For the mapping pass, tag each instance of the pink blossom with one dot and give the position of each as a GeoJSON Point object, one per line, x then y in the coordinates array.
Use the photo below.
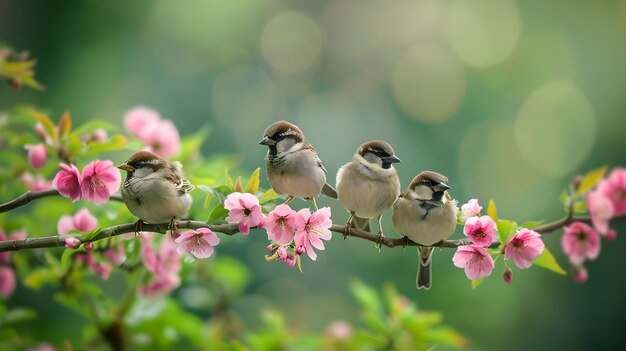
{"type": "Point", "coordinates": [470, 209]}
{"type": "Point", "coordinates": [42, 347]}
{"type": "Point", "coordinates": [102, 269]}
{"type": "Point", "coordinates": [116, 254]}
{"type": "Point", "coordinates": [579, 242]}
{"type": "Point", "coordinates": [480, 230]}
{"type": "Point", "coordinates": [311, 229]}
{"type": "Point", "coordinates": [580, 274]}
{"type": "Point", "coordinates": [475, 260]}
{"type": "Point", "coordinates": [37, 155]}
{"type": "Point", "coordinates": [199, 242]}
{"type": "Point", "coordinates": [286, 256]}
{"type": "Point", "coordinates": [164, 266]}
{"type": "Point", "coordinates": [72, 243]}
{"type": "Point", "coordinates": [160, 285]}
{"type": "Point", "coordinates": [524, 247]}
{"type": "Point", "coordinates": [100, 135]}
{"type": "Point", "coordinates": [243, 209]}
{"type": "Point", "coordinates": [611, 235]}
{"type": "Point", "coordinates": [83, 221]}
{"type": "Point", "coordinates": [614, 188]}
{"type": "Point", "coordinates": [141, 119]}
{"type": "Point", "coordinates": [601, 210]}
{"type": "Point", "coordinates": [68, 182]}
{"type": "Point", "coordinates": [7, 281]}
{"type": "Point", "coordinates": [281, 224]}
{"type": "Point", "coordinates": [100, 180]}
{"type": "Point", "coordinates": [35, 183]}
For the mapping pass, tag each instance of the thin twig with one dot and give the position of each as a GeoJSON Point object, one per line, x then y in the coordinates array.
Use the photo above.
{"type": "Point", "coordinates": [29, 196]}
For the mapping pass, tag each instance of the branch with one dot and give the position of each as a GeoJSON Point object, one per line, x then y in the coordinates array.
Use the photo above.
{"type": "Point", "coordinates": [29, 196]}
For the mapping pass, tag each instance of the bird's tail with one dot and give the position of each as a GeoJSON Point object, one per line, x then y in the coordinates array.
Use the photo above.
{"type": "Point", "coordinates": [424, 271]}
{"type": "Point", "coordinates": [361, 223]}
{"type": "Point", "coordinates": [329, 191]}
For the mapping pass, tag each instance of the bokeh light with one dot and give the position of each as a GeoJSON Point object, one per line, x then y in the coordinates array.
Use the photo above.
{"type": "Point", "coordinates": [428, 83]}
{"type": "Point", "coordinates": [483, 32]}
{"type": "Point", "coordinates": [555, 128]}
{"type": "Point", "coordinates": [291, 42]}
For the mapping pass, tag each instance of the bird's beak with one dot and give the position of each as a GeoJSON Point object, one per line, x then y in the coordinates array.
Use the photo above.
{"type": "Point", "coordinates": [391, 159]}
{"type": "Point", "coordinates": [441, 187]}
{"type": "Point", "coordinates": [267, 141]}
{"type": "Point", "coordinates": [126, 167]}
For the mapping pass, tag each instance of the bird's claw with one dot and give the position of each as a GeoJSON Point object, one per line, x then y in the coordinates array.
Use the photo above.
{"type": "Point", "coordinates": [138, 226]}
{"type": "Point", "coordinates": [347, 231]}
{"type": "Point", "coordinates": [379, 240]}
{"type": "Point", "coordinates": [405, 242]}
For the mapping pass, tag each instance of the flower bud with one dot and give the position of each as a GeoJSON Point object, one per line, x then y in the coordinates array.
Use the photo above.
{"type": "Point", "coordinates": [611, 235]}
{"type": "Point", "coordinates": [508, 275]}
{"type": "Point", "coordinates": [37, 155]}
{"type": "Point", "coordinates": [88, 246]}
{"type": "Point", "coordinates": [300, 250]}
{"type": "Point", "coordinates": [580, 274]}
{"type": "Point", "coordinates": [15, 83]}
{"type": "Point", "coordinates": [72, 243]}
{"type": "Point", "coordinates": [576, 182]}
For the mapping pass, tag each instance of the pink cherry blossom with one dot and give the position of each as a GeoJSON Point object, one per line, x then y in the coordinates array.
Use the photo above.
{"type": "Point", "coordinates": [476, 261]}
{"type": "Point", "coordinates": [614, 188]}
{"type": "Point", "coordinates": [37, 155]}
{"type": "Point", "coordinates": [100, 135]}
{"type": "Point", "coordinates": [524, 247]}
{"type": "Point", "coordinates": [580, 274]}
{"type": "Point", "coordinates": [116, 254]}
{"type": "Point", "coordinates": [311, 229]}
{"type": "Point", "coordinates": [83, 221]}
{"type": "Point", "coordinates": [102, 269]}
{"type": "Point", "coordinates": [470, 209]}
{"type": "Point", "coordinates": [580, 242]}
{"type": "Point", "coordinates": [140, 120]}
{"type": "Point", "coordinates": [281, 224]}
{"type": "Point", "coordinates": [480, 230]}
{"type": "Point", "coordinates": [7, 281]}
{"type": "Point", "coordinates": [160, 285]}
{"type": "Point", "coordinates": [243, 209]}
{"type": "Point", "coordinates": [164, 266]}
{"type": "Point", "coordinates": [72, 243]}
{"type": "Point", "coordinates": [611, 235]}
{"type": "Point", "coordinates": [199, 242]}
{"type": "Point", "coordinates": [68, 182]}
{"type": "Point", "coordinates": [601, 210]}
{"type": "Point", "coordinates": [100, 180]}
{"type": "Point", "coordinates": [35, 183]}
{"type": "Point", "coordinates": [286, 256]}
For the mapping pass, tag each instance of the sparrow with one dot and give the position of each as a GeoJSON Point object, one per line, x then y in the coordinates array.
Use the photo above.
{"type": "Point", "coordinates": [368, 185]}
{"type": "Point", "coordinates": [155, 189]}
{"type": "Point", "coordinates": [425, 213]}
{"type": "Point", "coordinates": [292, 165]}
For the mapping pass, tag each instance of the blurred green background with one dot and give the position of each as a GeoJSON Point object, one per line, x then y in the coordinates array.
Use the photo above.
{"type": "Point", "coordinates": [509, 99]}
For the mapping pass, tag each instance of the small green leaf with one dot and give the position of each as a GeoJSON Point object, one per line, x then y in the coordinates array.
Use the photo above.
{"type": "Point", "coordinates": [37, 278]}
{"type": "Point", "coordinates": [591, 179]}
{"type": "Point", "coordinates": [505, 229]}
{"type": "Point", "coordinates": [299, 261]}
{"type": "Point", "coordinates": [218, 213]}
{"type": "Point", "coordinates": [492, 211]}
{"type": "Point", "coordinates": [580, 206]}
{"type": "Point", "coordinates": [116, 143]}
{"type": "Point", "coordinates": [46, 122]}
{"type": "Point", "coordinates": [564, 198]}
{"type": "Point", "coordinates": [238, 185]}
{"type": "Point", "coordinates": [253, 182]}
{"type": "Point", "coordinates": [547, 261]}
{"type": "Point", "coordinates": [477, 282]}
{"type": "Point", "coordinates": [19, 315]}
{"type": "Point", "coordinates": [93, 125]}
{"type": "Point", "coordinates": [65, 124]}
{"type": "Point", "coordinates": [207, 200]}
{"type": "Point", "coordinates": [268, 196]}
{"type": "Point", "coordinates": [229, 180]}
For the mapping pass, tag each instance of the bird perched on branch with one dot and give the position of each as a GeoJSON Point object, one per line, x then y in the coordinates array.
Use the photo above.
{"type": "Point", "coordinates": [292, 165]}
{"type": "Point", "coordinates": [155, 189]}
{"type": "Point", "coordinates": [425, 213]}
{"type": "Point", "coordinates": [368, 185]}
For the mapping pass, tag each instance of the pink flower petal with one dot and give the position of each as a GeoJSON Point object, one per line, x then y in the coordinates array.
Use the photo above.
{"type": "Point", "coordinates": [84, 221]}
{"type": "Point", "coordinates": [68, 182]}
{"type": "Point", "coordinates": [65, 225]}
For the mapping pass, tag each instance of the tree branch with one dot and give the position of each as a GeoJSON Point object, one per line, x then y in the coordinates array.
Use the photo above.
{"type": "Point", "coordinates": [29, 196]}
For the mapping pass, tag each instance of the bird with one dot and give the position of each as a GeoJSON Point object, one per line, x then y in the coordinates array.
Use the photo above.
{"type": "Point", "coordinates": [368, 185]}
{"type": "Point", "coordinates": [292, 165]}
{"type": "Point", "coordinates": [425, 213]}
{"type": "Point", "coordinates": [155, 189]}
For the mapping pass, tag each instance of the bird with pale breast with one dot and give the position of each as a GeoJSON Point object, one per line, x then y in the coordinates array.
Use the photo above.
{"type": "Point", "coordinates": [368, 185]}
{"type": "Point", "coordinates": [425, 213]}
{"type": "Point", "coordinates": [292, 165]}
{"type": "Point", "coordinates": [155, 189]}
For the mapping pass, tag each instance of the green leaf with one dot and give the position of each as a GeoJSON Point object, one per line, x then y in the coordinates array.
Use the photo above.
{"type": "Point", "coordinates": [19, 315]}
{"type": "Point", "coordinates": [229, 180]}
{"type": "Point", "coordinates": [492, 211]}
{"type": "Point", "coordinates": [547, 261]}
{"type": "Point", "coordinates": [477, 282]}
{"type": "Point", "coordinates": [238, 185]}
{"type": "Point", "coordinates": [116, 143]}
{"type": "Point", "coordinates": [253, 183]}
{"type": "Point", "coordinates": [65, 124]}
{"type": "Point", "coordinates": [591, 179]}
{"type": "Point", "coordinates": [93, 125]}
{"type": "Point", "coordinates": [505, 229]}
{"type": "Point", "coordinates": [46, 122]}
{"type": "Point", "coordinates": [531, 224]}
{"type": "Point", "coordinates": [38, 277]}
{"type": "Point", "coordinates": [218, 213]}
{"type": "Point", "coordinates": [268, 196]}
{"type": "Point", "coordinates": [580, 206]}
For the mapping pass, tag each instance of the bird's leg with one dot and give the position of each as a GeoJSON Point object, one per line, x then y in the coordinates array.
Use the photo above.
{"type": "Point", "coordinates": [172, 226]}
{"type": "Point", "coordinates": [289, 199]}
{"type": "Point", "coordinates": [314, 203]}
{"type": "Point", "coordinates": [381, 236]}
{"type": "Point", "coordinates": [348, 227]}
{"type": "Point", "coordinates": [405, 241]}
{"type": "Point", "coordinates": [138, 226]}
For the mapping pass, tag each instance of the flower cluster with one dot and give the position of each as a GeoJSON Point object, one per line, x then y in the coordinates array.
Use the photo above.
{"type": "Point", "coordinates": [580, 241]}
{"type": "Point", "coordinates": [7, 274]}
{"type": "Point", "coordinates": [159, 135]}
{"type": "Point", "coordinates": [163, 265]}
{"type": "Point", "coordinates": [98, 181]}
{"type": "Point", "coordinates": [525, 246]}
{"type": "Point", "coordinates": [82, 221]}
